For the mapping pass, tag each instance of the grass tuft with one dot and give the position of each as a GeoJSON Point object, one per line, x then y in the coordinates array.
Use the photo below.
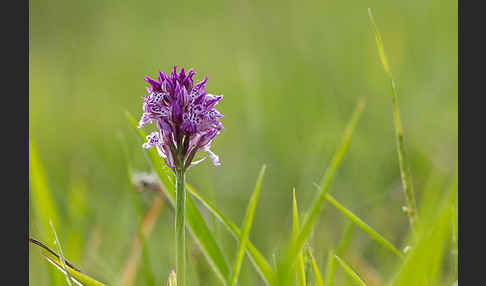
{"type": "Point", "coordinates": [246, 227]}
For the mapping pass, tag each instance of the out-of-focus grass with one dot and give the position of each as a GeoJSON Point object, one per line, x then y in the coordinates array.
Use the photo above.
{"type": "Point", "coordinates": [290, 73]}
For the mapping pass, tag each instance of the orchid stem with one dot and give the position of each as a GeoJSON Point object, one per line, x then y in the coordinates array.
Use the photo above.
{"type": "Point", "coordinates": [180, 229]}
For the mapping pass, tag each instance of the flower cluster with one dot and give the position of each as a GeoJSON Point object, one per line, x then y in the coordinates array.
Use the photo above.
{"type": "Point", "coordinates": [186, 119]}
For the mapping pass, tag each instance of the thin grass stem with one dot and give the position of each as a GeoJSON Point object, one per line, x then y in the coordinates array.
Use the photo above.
{"type": "Point", "coordinates": [411, 208]}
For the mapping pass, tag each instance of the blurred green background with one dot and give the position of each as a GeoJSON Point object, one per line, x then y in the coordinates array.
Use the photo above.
{"type": "Point", "coordinates": [291, 73]}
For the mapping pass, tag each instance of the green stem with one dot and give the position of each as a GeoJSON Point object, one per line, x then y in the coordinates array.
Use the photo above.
{"type": "Point", "coordinates": [411, 209]}
{"type": "Point", "coordinates": [180, 229]}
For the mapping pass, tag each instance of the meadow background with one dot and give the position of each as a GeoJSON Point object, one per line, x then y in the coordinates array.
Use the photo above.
{"type": "Point", "coordinates": [291, 73]}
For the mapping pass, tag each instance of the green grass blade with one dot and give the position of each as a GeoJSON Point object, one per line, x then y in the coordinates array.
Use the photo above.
{"type": "Point", "coordinates": [331, 265]}
{"type": "Point", "coordinates": [194, 220]}
{"type": "Point", "coordinates": [350, 271]}
{"type": "Point", "coordinates": [257, 259]}
{"type": "Point", "coordinates": [379, 42]}
{"type": "Point", "coordinates": [42, 199]}
{"type": "Point", "coordinates": [411, 209]}
{"type": "Point", "coordinates": [315, 270]}
{"type": "Point", "coordinates": [77, 277]}
{"type": "Point", "coordinates": [330, 268]}
{"type": "Point", "coordinates": [423, 263]}
{"type": "Point", "coordinates": [42, 202]}
{"type": "Point", "coordinates": [343, 245]}
{"type": "Point", "coordinates": [365, 227]}
{"type": "Point", "coordinates": [61, 256]}
{"type": "Point", "coordinates": [298, 242]}
{"type": "Point", "coordinates": [246, 227]}
{"type": "Point", "coordinates": [300, 269]}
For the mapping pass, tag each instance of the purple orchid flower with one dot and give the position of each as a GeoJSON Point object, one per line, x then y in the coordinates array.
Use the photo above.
{"type": "Point", "coordinates": [186, 118]}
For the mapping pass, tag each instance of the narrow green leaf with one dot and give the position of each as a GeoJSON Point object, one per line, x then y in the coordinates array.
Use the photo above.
{"type": "Point", "coordinates": [422, 266]}
{"type": "Point", "coordinates": [350, 271]}
{"type": "Point", "coordinates": [42, 199]}
{"type": "Point", "coordinates": [411, 209]}
{"type": "Point", "coordinates": [315, 270]}
{"type": "Point", "coordinates": [194, 220]}
{"type": "Point", "coordinates": [343, 245]}
{"type": "Point", "coordinates": [246, 227]}
{"type": "Point", "coordinates": [331, 267]}
{"type": "Point", "coordinates": [300, 269]}
{"type": "Point", "coordinates": [298, 241]}
{"type": "Point", "coordinates": [77, 277]}
{"type": "Point", "coordinates": [42, 202]}
{"type": "Point", "coordinates": [365, 227]}
{"type": "Point", "coordinates": [259, 262]}
{"type": "Point", "coordinates": [379, 42]}
{"type": "Point", "coordinates": [61, 256]}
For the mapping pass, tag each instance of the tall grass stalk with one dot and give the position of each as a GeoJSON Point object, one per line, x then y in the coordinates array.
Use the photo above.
{"type": "Point", "coordinates": [298, 241]}
{"type": "Point", "coordinates": [245, 229]}
{"type": "Point", "coordinates": [411, 208]}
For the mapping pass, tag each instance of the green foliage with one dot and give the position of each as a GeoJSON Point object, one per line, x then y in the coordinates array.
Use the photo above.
{"type": "Point", "coordinates": [350, 271]}
{"type": "Point", "coordinates": [77, 277]}
{"type": "Point", "coordinates": [422, 265]}
{"type": "Point", "coordinates": [259, 262]}
{"type": "Point", "coordinates": [300, 270]}
{"type": "Point", "coordinates": [73, 274]}
{"type": "Point", "coordinates": [366, 228]}
{"type": "Point", "coordinates": [315, 269]}
{"type": "Point", "coordinates": [330, 268]}
{"type": "Point", "coordinates": [298, 240]}
{"type": "Point", "coordinates": [246, 227]}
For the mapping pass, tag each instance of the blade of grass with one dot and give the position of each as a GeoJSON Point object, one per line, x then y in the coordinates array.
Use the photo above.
{"type": "Point", "coordinates": [259, 262]}
{"type": "Point", "coordinates": [194, 220]}
{"type": "Point", "coordinates": [42, 201]}
{"type": "Point", "coordinates": [298, 241]}
{"type": "Point", "coordinates": [76, 274]}
{"type": "Point", "coordinates": [330, 268]}
{"type": "Point", "coordinates": [365, 227]}
{"type": "Point", "coordinates": [411, 209]}
{"type": "Point", "coordinates": [331, 265]}
{"type": "Point", "coordinates": [422, 265]}
{"type": "Point", "coordinates": [350, 271]}
{"type": "Point", "coordinates": [300, 269]}
{"type": "Point", "coordinates": [61, 256]}
{"type": "Point", "coordinates": [346, 239]}
{"type": "Point", "coordinates": [63, 271]}
{"type": "Point", "coordinates": [38, 243]}
{"type": "Point", "coordinates": [315, 270]}
{"type": "Point", "coordinates": [41, 194]}
{"type": "Point", "coordinates": [246, 227]}
{"type": "Point", "coordinates": [78, 277]}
